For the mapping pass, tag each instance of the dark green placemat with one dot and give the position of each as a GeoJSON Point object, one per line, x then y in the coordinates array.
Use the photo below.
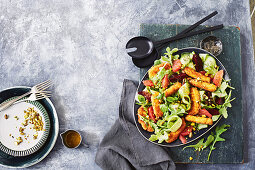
{"type": "Point", "coordinates": [230, 151]}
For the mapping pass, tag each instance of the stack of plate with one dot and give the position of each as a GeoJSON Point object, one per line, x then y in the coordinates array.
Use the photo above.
{"type": "Point", "coordinates": [32, 149]}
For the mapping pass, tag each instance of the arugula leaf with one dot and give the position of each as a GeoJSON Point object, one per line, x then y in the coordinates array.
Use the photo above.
{"type": "Point", "coordinates": [141, 99]}
{"type": "Point", "coordinates": [224, 112]}
{"type": "Point", "coordinates": [174, 50]}
{"type": "Point", "coordinates": [209, 140]}
{"type": "Point", "coordinates": [176, 57]}
{"type": "Point", "coordinates": [218, 131]}
{"type": "Point", "coordinates": [169, 54]}
{"type": "Point", "coordinates": [160, 137]}
{"type": "Point", "coordinates": [157, 62]}
{"type": "Point", "coordinates": [165, 58]}
{"type": "Point", "coordinates": [201, 145]}
{"type": "Point", "coordinates": [215, 117]}
{"type": "Point", "coordinates": [197, 146]}
{"type": "Point", "coordinates": [228, 101]}
{"type": "Point", "coordinates": [221, 91]}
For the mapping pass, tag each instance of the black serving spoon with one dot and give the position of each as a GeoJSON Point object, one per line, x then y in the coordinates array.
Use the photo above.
{"type": "Point", "coordinates": [150, 57]}
{"type": "Point", "coordinates": [144, 51]}
{"type": "Point", "coordinates": [141, 47]}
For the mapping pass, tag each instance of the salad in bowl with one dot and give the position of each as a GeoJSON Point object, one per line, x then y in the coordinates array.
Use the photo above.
{"type": "Point", "coordinates": [184, 93]}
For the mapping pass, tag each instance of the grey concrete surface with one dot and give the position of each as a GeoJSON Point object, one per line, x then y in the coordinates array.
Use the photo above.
{"type": "Point", "coordinates": [80, 45]}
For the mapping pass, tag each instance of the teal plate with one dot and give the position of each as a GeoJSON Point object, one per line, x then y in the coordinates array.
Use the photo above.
{"type": "Point", "coordinates": [29, 160]}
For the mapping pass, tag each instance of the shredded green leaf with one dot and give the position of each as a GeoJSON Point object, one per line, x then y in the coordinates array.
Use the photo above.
{"type": "Point", "coordinates": [218, 131]}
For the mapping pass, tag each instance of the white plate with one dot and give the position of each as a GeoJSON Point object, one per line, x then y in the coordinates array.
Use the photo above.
{"type": "Point", "coordinates": [9, 129]}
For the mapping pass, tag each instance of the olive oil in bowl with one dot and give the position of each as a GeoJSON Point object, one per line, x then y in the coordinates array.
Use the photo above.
{"type": "Point", "coordinates": [71, 138]}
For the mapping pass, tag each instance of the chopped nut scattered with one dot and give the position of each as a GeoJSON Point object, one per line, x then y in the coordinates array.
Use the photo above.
{"type": "Point", "coordinates": [33, 118]}
{"type": "Point", "coordinates": [35, 136]}
{"type": "Point", "coordinates": [190, 135]}
{"type": "Point", "coordinates": [21, 129]}
{"type": "Point", "coordinates": [19, 140]}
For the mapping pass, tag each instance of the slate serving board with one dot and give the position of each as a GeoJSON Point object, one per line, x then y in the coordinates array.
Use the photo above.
{"type": "Point", "coordinates": [230, 151]}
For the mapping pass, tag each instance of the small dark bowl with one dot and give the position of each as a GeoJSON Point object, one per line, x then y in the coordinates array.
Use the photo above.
{"type": "Point", "coordinates": [212, 44]}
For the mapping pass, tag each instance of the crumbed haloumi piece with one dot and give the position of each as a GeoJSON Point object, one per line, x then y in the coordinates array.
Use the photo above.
{"type": "Point", "coordinates": [155, 69]}
{"type": "Point", "coordinates": [156, 105]}
{"type": "Point", "coordinates": [195, 101]}
{"type": "Point", "coordinates": [203, 85]}
{"type": "Point", "coordinates": [192, 73]}
{"type": "Point", "coordinates": [142, 112]}
{"type": "Point", "coordinates": [200, 120]}
{"type": "Point", "coordinates": [174, 135]}
{"type": "Point", "coordinates": [173, 89]}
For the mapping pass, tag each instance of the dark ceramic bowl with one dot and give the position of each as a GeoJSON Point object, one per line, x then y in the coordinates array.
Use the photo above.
{"type": "Point", "coordinates": [29, 160]}
{"type": "Point", "coordinates": [201, 132]}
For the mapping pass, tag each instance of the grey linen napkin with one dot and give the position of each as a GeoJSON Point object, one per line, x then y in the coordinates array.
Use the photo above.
{"type": "Point", "coordinates": [123, 147]}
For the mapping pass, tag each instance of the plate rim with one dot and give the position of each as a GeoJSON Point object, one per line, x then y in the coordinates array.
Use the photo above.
{"type": "Point", "coordinates": [54, 139]}
{"type": "Point", "coordinates": [181, 144]}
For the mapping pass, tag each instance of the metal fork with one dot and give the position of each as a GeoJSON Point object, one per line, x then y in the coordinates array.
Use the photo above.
{"type": "Point", "coordinates": [37, 90]}
{"type": "Point", "coordinates": [36, 96]}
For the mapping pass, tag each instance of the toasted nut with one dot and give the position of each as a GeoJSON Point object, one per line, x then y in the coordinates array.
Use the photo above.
{"type": "Point", "coordinates": [21, 129]}
{"type": "Point", "coordinates": [190, 135]}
